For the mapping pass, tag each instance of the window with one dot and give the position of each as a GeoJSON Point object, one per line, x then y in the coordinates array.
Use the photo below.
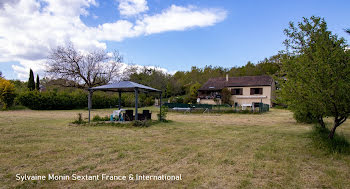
{"type": "Point", "coordinates": [254, 91]}
{"type": "Point", "coordinates": [237, 91]}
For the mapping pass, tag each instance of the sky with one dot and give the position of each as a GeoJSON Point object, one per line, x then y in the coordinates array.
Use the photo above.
{"type": "Point", "coordinates": [171, 34]}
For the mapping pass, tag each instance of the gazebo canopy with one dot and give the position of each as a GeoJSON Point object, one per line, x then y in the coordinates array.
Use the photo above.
{"type": "Point", "coordinates": [124, 86]}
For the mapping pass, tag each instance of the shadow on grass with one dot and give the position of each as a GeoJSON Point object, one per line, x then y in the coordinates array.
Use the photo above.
{"type": "Point", "coordinates": [131, 124]}
{"type": "Point", "coordinates": [338, 144]}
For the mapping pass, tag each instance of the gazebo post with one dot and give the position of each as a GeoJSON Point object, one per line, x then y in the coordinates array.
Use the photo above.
{"type": "Point", "coordinates": [89, 102]}
{"type": "Point", "coordinates": [160, 106]}
{"type": "Point", "coordinates": [120, 100]}
{"type": "Point", "coordinates": [136, 100]}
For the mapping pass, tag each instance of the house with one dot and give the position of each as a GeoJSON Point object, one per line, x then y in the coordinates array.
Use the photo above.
{"type": "Point", "coordinates": [244, 90]}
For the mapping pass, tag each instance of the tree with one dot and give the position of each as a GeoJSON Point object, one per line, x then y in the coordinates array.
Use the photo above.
{"type": "Point", "coordinates": [31, 83]}
{"type": "Point", "coordinates": [226, 96]}
{"type": "Point", "coordinates": [317, 72]}
{"type": "Point", "coordinates": [194, 92]}
{"type": "Point", "coordinates": [7, 93]}
{"type": "Point", "coordinates": [37, 84]}
{"type": "Point", "coordinates": [153, 77]}
{"type": "Point", "coordinates": [83, 69]}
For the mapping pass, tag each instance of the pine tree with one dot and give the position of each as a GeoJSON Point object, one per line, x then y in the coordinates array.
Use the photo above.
{"type": "Point", "coordinates": [31, 83]}
{"type": "Point", "coordinates": [37, 84]}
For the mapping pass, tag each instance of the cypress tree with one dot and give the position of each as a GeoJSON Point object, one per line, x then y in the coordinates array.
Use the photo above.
{"type": "Point", "coordinates": [31, 83]}
{"type": "Point", "coordinates": [37, 84]}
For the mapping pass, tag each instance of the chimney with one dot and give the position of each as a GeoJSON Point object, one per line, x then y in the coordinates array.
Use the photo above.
{"type": "Point", "coordinates": [226, 77]}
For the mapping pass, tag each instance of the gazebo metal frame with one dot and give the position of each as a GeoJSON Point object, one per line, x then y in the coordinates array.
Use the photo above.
{"type": "Point", "coordinates": [125, 86]}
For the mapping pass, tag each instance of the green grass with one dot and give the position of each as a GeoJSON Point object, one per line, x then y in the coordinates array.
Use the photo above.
{"type": "Point", "coordinates": [266, 150]}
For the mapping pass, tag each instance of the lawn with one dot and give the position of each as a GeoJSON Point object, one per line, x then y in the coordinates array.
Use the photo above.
{"type": "Point", "coordinates": [268, 150]}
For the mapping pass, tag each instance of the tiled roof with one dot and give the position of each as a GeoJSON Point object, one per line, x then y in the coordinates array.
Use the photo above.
{"type": "Point", "coordinates": [244, 81]}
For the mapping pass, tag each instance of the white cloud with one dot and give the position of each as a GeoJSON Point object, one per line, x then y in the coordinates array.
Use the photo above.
{"type": "Point", "coordinates": [178, 18]}
{"type": "Point", "coordinates": [132, 7]}
{"type": "Point", "coordinates": [29, 29]}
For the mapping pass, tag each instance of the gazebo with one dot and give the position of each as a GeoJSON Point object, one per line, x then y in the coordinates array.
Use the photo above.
{"type": "Point", "coordinates": [125, 86]}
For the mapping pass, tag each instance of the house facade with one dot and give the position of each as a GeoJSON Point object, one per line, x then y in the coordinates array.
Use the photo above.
{"type": "Point", "coordinates": [244, 90]}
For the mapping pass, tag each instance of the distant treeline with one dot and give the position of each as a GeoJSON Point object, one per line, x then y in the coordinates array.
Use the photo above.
{"type": "Point", "coordinates": [180, 83]}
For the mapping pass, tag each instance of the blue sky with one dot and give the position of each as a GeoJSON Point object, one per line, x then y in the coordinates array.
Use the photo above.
{"type": "Point", "coordinates": [248, 31]}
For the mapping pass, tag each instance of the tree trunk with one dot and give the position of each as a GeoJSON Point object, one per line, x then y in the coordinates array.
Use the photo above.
{"type": "Point", "coordinates": [321, 122]}
{"type": "Point", "coordinates": [335, 125]}
{"type": "Point", "coordinates": [337, 121]}
{"type": "Point", "coordinates": [331, 134]}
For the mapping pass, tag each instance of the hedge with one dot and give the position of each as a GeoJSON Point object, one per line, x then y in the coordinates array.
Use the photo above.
{"type": "Point", "coordinates": [52, 100]}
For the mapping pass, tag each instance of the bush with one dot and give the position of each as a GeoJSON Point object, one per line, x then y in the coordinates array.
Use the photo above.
{"type": "Point", "coordinates": [77, 99]}
{"type": "Point", "coordinates": [98, 118]}
{"type": "Point", "coordinates": [138, 123]}
{"type": "Point", "coordinates": [102, 100]}
{"type": "Point", "coordinates": [226, 96]}
{"type": "Point", "coordinates": [129, 101]}
{"type": "Point", "coordinates": [53, 100]}
{"type": "Point", "coordinates": [163, 114]}
{"type": "Point", "coordinates": [178, 99]}
{"type": "Point", "coordinates": [79, 120]}
{"type": "Point", "coordinates": [148, 101]}
{"type": "Point", "coordinates": [302, 116]}
{"type": "Point", "coordinates": [7, 93]}
{"type": "Point", "coordinates": [188, 100]}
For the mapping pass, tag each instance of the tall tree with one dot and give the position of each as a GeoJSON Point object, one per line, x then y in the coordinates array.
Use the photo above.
{"type": "Point", "coordinates": [84, 70]}
{"type": "Point", "coordinates": [37, 84]}
{"type": "Point", "coordinates": [31, 83]}
{"type": "Point", "coordinates": [317, 72]}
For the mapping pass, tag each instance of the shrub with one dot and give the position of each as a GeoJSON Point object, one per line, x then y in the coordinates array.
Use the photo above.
{"type": "Point", "coordinates": [226, 96]}
{"type": "Point", "coordinates": [138, 123]}
{"type": "Point", "coordinates": [98, 118]}
{"type": "Point", "coordinates": [7, 93]}
{"type": "Point", "coordinates": [163, 114]}
{"type": "Point", "coordinates": [102, 100]}
{"type": "Point", "coordinates": [79, 120]}
{"type": "Point", "coordinates": [187, 99]}
{"type": "Point", "coordinates": [179, 99]}
{"type": "Point", "coordinates": [148, 101]}
{"type": "Point", "coordinates": [129, 101]}
{"type": "Point", "coordinates": [63, 100]}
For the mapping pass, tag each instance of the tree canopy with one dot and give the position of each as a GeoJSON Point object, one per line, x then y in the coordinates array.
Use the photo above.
{"type": "Point", "coordinates": [37, 84]}
{"type": "Point", "coordinates": [31, 83]}
{"type": "Point", "coordinates": [316, 72]}
{"type": "Point", "coordinates": [83, 69]}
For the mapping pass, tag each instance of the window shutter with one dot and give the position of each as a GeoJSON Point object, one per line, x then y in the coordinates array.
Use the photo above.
{"type": "Point", "coordinates": [241, 91]}
{"type": "Point", "coordinates": [261, 91]}
{"type": "Point", "coordinates": [251, 91]}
